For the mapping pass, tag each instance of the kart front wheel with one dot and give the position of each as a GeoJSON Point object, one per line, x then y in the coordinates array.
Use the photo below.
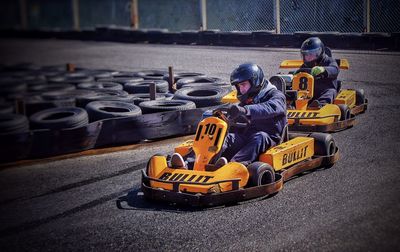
{"type": "Point", "coordinates": [360, 96]}
{"type": "Point", "coordinates": [324, 145]}
{"type": "Point", "coordinates": [344, 112]}
{"type": "Point", "coordinates": [260, 174]}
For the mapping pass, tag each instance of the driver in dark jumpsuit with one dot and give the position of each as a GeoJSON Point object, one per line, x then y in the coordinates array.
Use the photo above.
{"type": "Point", "coordinates": [324, 69]}
{"type": "Point", "coordinates": [265, 108]}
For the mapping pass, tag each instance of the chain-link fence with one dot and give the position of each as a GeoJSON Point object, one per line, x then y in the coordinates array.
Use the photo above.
{"type": "Point", "coordinates": [385, 15]}
{"type": "Point", "coordinates": [101, 12]}
{"type": "Point", "coordinates": [174, 15]}
{"type": "Point", "coordinates": [321, 15]}
{"type": "Point", "coordinates": [240, 15]}
{"type": "Point", "coordinates": [284, 16]}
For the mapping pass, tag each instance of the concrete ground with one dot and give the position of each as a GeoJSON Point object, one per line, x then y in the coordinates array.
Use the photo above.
{"type": "Point", "coordinates": [70, 204]}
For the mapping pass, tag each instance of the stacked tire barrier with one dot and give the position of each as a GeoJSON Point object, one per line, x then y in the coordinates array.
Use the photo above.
{"type": "Point", "coordinates": [46, 111]}
{"type": "Point", "coordinates": [335, 40]}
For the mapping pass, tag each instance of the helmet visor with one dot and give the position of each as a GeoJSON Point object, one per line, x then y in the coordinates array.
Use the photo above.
{"type": "Point", "coordinates": [311, 55]}
{"type": "Point", "coordinates": [243, 87]}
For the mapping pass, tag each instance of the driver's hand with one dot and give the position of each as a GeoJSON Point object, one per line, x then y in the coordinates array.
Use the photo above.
{"type": "Point", "coordinates": [318, 71]}
{"type": "Point", "coordinates": [235, 111]}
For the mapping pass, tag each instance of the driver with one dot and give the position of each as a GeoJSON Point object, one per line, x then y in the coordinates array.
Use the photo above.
{"type": "Point", "coordinates": [265, 108]}
{"type": "Point", "coordinates": [324, 69]}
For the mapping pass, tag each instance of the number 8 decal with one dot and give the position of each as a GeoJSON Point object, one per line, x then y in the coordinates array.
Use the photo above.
{"type": "Point", "coordinates": [303, 83]}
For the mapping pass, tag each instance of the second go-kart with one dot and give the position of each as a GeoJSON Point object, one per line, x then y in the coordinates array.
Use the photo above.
{"type": "Point", "coordinates": [208, 185]}
{"type": "Point", "coordinates": [330, 117]}
{"type": "Point", "coordinates": [299, 90]}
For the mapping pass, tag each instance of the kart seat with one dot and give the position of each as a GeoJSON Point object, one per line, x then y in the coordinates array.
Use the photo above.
{"type": "Point", "coordinates": [328, 51]}
{"type": "Point", "coordinates": [279, 83]}
{"type": "Point", "coordinates": [285, 134]}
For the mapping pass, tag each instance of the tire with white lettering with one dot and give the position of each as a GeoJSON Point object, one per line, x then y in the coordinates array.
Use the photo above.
{"type": "Point", "coordinates": [59, 118]}
{"type": "Point", "coordinates": [201, 96]}
{"type": "Point", "coordinates": [344, 112]}
{"type": "Point", "coordinates": [144, 86]}
{"type": "Point", "coordinates": [360, 96]}
{"type": "Point", "coordinates": [166, 105]}
{"type": "Point", "coordinates": [104, 95]}
{"type": "Point", "coordinates": [151, 74]}
{"type": "Point", "coordinates": [99, 110]}
{"type": "Point", "coordinates": [178, 76]}
{"type": "Point", "coordinates": [141, 97]}
{"type": "Point", "coordinates": [324, 144]}
{"type": "Point", "coordinates": [199, 81]}
{"type": "Point", "coordinates": [260, 173]}
{"type": "Point", "coordinates": [100, 85]}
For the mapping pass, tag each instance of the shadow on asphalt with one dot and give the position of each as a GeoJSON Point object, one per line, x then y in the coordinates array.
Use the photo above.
{"type": "Point", "coordinates": [135, 200]}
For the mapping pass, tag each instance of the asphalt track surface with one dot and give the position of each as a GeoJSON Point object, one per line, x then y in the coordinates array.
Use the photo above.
{"type": "Point", "coordinates": [70, 204]}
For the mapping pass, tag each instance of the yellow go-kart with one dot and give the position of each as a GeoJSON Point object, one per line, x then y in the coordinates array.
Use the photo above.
{"type": "Point", "coordinates": [299, 90]}
{"type": "Point", "coordinates": [207, 185]}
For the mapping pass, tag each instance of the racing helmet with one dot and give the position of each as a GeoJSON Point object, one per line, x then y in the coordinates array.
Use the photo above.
{"type": "Point", "coordinates": [248, 72]}
{"type": "Point", "coordinates": [312, 51]}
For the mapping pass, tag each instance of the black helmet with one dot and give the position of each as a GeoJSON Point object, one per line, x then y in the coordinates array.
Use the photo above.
{"type": "Point", "coordinates": [312, 51]}
{"type": "Point", "coordinates": [248, 72]}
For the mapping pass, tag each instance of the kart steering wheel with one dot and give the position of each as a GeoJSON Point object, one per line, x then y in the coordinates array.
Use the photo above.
{"type": "Point", "coordinates": [239, 122]}
{"type": "Point", "coordinates": [307, 70]}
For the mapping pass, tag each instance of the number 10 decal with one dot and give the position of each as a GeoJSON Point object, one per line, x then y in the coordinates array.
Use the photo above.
{"type": "Point", "coordinates": [210, 129]}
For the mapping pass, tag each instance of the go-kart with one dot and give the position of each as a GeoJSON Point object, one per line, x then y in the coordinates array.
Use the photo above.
{"type": "Point", "coordinates": [206, 185]}
{"type": "Point", "coordinates": [299, 90]}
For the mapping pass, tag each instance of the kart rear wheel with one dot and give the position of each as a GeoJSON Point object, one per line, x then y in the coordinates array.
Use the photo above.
{"type": "Point", "coordinates": [324, 145]}
{"type": "Point", "coordinates": [360, 96]}
{"type": "Point", "coordinates": [344, 112]}
{"type": "Point", "coordinates": [260, 174]}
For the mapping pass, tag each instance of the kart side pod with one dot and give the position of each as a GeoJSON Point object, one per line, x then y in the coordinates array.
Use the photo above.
{"type": "Point", "coordinates": [195, 181]}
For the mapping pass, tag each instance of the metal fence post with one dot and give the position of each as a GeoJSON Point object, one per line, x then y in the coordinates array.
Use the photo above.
{"type": "Point", "coordinates": [23, 14]}
{"type": "Point", "coordinates": [75, 14]}
{"type": "Point", "coordinates": [367, 15]}
{"type": "Point", "coordinates": [277, 15]}
{"type": "Point", "coordinates": [203, 14]}
{"type": "Point", "coordinates": [134, 14]}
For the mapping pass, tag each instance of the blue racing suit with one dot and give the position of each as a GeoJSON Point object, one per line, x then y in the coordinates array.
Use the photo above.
{"type": "Point", "coordinates": [267, 114]}
{"type": "Point", "coordinates": [326, 87]}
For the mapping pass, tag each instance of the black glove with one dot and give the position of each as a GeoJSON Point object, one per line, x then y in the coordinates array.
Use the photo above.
{"type": "Point", "coordinates": [235, 111]}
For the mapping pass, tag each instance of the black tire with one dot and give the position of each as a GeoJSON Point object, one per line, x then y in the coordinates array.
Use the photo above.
{"type": "Point", "coordinates": [104, 95]}
{"type": "Point", "coordinates": [360, 97]}
{"type": "Point", "coordinates": [178, 76]}
{"type": "Point", "coordinates": [201, 96]}
{"type": "Point", "coordinates": [144, 86]}
{"type": "Point", "coordinates": [66, 94]}
{"type": "Point", "coordinates": [100, 85]}
{"type": "Point", "coordinates": [279, 83]}
{"type": "Point", "coordinates": [324, 144]}
{"type": "Point", "coordinates": [151, 74]}
{"type": "Point", "coordinates": [11, 86]}
{"type": "Point", "coordinates": [77, 77]}
{"type": "Point", "coordinates": [141, 97]}
{"type": "Point", "coordinates": [260, 173]}
{"type": "Point", "coordinates": [121, 80]}
{"type": "Point", "coordinates": [200, 81]}
{"type": "Point", "coordinates": [166, 105]}
{"type": "Point", "coordinates": [71, 78]}
{"type": "Point", "coordinates": [344, 112]}
{"type": "Point", "coordinates": [99, 110]}
{"type": "Point", "coordinates": [6, 109]}
{"type": "Point", "coordinates": [59, 118]}
{"type": "Point", "coordinates": [13, 124]}
{"type": "Point", "coordinates": [52, 87]}
{"type": "Point", "coordinates": [34, 104]}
